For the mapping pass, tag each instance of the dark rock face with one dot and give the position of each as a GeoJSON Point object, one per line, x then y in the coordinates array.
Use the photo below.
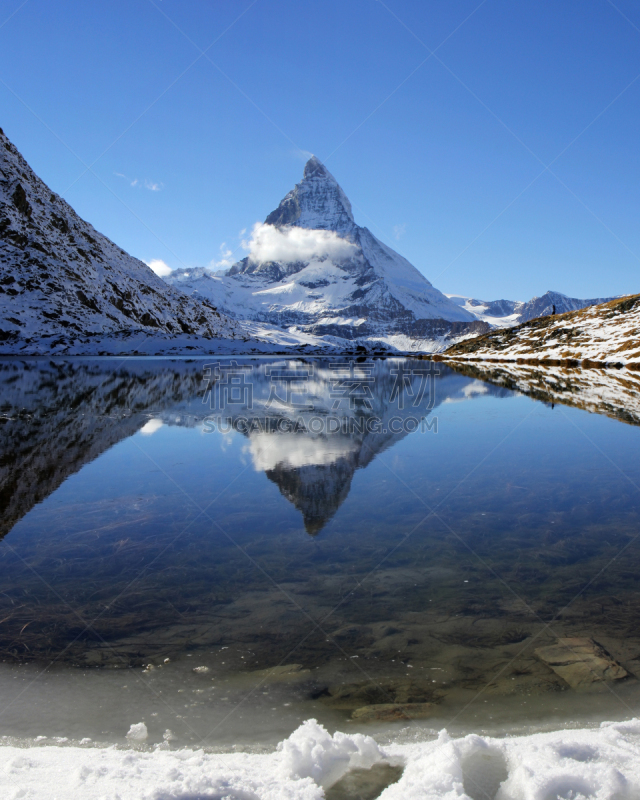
{"type": "Point", "coordinates": [20, 201]}
{"type": "Point", "coordinates": [316, 490]}
{"type": "Point", "coordinates": [43, 438]}
{"type": "Point", "coordinates": [287, 213]}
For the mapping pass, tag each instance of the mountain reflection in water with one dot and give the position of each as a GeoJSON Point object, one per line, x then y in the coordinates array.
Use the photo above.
{"type": "Point", "coordinates": [614, 392]}
{"type": "Point", "coordinates": [335, 419]}
{"type": "Point", "coordinates": [456, 524]}
{"type": "Point", "coordinates": [58, 416]}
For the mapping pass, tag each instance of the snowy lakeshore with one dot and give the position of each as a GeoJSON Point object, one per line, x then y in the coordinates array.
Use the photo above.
{"type": "Point", "coordinates": [603, 763]}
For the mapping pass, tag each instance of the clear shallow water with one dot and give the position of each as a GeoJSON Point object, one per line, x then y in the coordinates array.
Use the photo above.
{"type": "Point", "coordinates": [142, 524]}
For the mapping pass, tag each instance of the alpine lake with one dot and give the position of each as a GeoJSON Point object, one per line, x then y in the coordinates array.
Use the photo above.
{"type": "Point", "coordinates": [223, 548]}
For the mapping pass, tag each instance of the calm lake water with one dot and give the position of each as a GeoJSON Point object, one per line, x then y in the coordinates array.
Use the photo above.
{"type": "Point", "coordinates": [387, 531]}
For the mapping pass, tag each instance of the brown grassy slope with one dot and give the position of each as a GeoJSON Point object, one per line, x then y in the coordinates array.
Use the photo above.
{"type": "Point", "coordinates": [604, 334]}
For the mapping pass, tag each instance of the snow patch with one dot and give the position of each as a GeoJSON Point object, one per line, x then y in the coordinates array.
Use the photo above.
{"type": "Point", "coordinates": [138, 732]}
{"type": "Point", "coordinates": [600, 763]}
{"type": "Point", "coordinates": [310, 752]}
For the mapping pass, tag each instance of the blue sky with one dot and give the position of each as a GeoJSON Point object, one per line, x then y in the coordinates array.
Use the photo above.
{"type": "Point", "coordinates": [465, 161]}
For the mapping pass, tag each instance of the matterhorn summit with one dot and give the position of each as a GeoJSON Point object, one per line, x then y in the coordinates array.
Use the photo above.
{"type": "Point", "coordinates": [312, 269]}
{"type": "Point", "coordinates": [317, 202]}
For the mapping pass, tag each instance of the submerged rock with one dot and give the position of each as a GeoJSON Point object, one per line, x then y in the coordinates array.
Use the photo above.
{"type": "Point", "coordinates": [284, 672]}
{"type": "Point", "coordinates": [369, 694]}
{"type": "Point", "coordinates": [389, 712]}
{"type": "Point", "coordinates": [581, 662]}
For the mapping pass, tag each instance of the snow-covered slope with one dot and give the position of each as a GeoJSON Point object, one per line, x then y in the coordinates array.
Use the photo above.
{"type": "Point", "coordinates": [63, 284]}
{"type": "Point", "coordinates": [605, 334]}
{"type": "Point", "coordinates": [312, 268]}
{"type": "Point", "coordinates": [498, 313]}
{"type": "Point", "coordinates": [505, 313]}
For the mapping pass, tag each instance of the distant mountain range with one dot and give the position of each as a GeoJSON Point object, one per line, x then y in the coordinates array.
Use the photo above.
{"type": "Point", "coordinates": [505, 313]}
{"type": "Point", "coordinates": [606, 334]}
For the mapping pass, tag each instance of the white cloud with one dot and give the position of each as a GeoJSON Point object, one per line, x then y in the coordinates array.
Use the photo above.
{"type": "Point", "coordinates": [151, 427]}
{"type": "Point", "coordinates": [159, 267]}
{"type": "Point", "coordinates": [269, 243]}
{"type": "Point", "coordinates": [399, 230]}
{"type": "Point", "coordinates": [152, 186]}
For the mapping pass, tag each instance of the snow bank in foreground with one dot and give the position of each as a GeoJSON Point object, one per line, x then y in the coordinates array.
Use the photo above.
{"type": "Point", "coordinates": [600, 763]}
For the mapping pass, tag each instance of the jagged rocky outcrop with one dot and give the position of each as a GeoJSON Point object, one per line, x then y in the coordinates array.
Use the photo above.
{"type": "Point", "coordinates": [322, 273]}
{"type": "Point", "coordinates": [62, 281]}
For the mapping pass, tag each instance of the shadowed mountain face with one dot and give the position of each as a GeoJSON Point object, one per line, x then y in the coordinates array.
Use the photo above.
{"type": "Point", "coordinates": [57, 416]}
{"type": "Point", "coordinates": [316, 491]}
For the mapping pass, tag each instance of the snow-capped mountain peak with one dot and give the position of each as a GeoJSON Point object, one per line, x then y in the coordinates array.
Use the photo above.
{"type": "Point", "coordinates": [317, 202]}
{"type": "Point", "coordinates": [315, 168]}
{"type": "Point", "coordinates": [313, 268]}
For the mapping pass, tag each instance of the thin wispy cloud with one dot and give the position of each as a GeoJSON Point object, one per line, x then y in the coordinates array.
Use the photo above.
{"type": "Point", "coordinates": [152, 186]}
{"type": "Point", "coordinates": [224, 260]}
{"type": "Point", "coordinates": [399, 231]}
{"type": "Point", "coordinates": [303, 155]}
